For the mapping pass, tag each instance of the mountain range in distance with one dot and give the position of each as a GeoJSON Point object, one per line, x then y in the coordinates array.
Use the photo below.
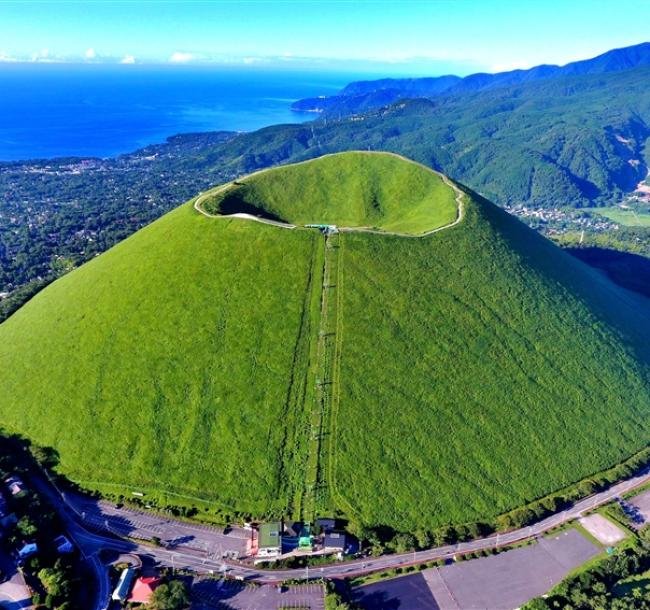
{"type": "Point", "coordinates": [365, 95]}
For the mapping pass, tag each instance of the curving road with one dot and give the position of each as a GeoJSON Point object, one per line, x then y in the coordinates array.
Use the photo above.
{"type": "Point", "coordinates": [202, 552]}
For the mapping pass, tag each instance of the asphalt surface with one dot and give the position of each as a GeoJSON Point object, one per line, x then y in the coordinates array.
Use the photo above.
{"type": "Point", "coordinates": [233, 595]}
{"type": "Point", "coordinates": [510, 579]}
{"type": "Point", "coordinates": [503, 581]}
{"type": "Point", "coordinates": [198, 553]}
{"type": "Point", "coordinates": [404, 593]}
{"type": "Point", "coordinates": [125, 522]}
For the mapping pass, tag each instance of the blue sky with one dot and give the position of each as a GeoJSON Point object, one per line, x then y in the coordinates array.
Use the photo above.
{"type": "Point", "coordinates": [397, 36]}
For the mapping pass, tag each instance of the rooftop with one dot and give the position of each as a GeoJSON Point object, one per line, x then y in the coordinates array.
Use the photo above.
{"type": "Point", "coordinates": [334, 540]}
{"type": "Point", "coordinates": [144, 588]}
{"type": "Point", "coordinates": [269, 535]}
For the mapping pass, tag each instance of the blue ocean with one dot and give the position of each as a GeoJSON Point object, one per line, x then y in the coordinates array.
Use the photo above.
{"type": "Point", "coordinates": [54, 110]}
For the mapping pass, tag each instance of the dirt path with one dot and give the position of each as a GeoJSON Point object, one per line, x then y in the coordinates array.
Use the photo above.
{"type": "Point", "coordinates": [266, 221]}
{"type": "Point", "coordinates": [460, 210]}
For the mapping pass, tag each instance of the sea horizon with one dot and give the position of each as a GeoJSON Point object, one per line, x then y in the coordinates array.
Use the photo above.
{"type": "Point", "coordinates": [75, 110]}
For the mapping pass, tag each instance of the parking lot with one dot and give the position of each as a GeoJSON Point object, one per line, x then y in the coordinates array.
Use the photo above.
{"type": "Point", "coordinates": [408, 592]}
{"type": "Point", "coordinates": [504, 581]}
{"type": "Point", "coordinates": [211, 594]}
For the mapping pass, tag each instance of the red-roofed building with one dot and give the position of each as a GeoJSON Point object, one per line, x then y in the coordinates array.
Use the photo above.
{"type": "Point", "coordinates": [143, 589]}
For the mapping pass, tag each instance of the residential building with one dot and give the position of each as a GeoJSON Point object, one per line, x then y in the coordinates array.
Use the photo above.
{"type": "Point", "coordinates": [143, 589]}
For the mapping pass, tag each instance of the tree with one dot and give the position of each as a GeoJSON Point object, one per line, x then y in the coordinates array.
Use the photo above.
{"type": "Point", "coordinates": [56, 581]}
{"type": "Point", "coordinates": [424, 539]}
{"type": "Point", "coordinates": [404, 542]}
{"type": "Point", "coordinates": [27, 527]}
{"type": "Point", "coordinates": [170, 596]}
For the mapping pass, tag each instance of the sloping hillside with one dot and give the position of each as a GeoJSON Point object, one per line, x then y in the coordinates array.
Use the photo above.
{"type": "Point", "coordinates": [361, 96]}
{"type": "Point", "coordinates": [170, 361]}
{"type": "Point", "coordinates": [407, 382]}
{"type": "Point", "coordinates": [490, 369]}
{"type": "Point", "coordinates": [348, 189]}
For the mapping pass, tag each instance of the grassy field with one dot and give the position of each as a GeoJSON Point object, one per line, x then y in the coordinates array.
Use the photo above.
{"type": "Point", "coordinates": [451, 378]}
{"type": "Point", "coordinates": [480, 368]}
{"type": "Point", "coordinates": [626, 217]}
{"type": "Point", "coordinates": [350, 190]}
{"type": "Point", "coordinates": [171, 361]}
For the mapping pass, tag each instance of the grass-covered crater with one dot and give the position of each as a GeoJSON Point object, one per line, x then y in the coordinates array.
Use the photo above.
{"type": "Point", "coordinates": [353, 189]}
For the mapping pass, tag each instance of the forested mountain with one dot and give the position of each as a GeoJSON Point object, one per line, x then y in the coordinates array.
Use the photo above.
{"type": "Point", "coordinates": [575, 141]}
{"type": "Point", "coordinates": [360, 96]}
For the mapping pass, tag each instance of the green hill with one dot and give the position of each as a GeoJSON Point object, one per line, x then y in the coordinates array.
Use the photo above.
{"type": "Point", "coordinates": [380, 191]}
{"type": "Point", "coordinates": [406, 382]}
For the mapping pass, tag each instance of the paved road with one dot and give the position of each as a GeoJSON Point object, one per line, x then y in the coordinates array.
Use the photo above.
{"type": "Point", "coordinates": [189, 555]}
{"type": "Point", "coordinates": [125, 522]}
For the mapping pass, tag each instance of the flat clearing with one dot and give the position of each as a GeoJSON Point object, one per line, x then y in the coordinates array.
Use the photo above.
{"type": "Point", "coordinates": [603, 529]}
{"type": "Point", "coordinates": [503, 581]}
{"type": "Point", "coordinates": [628, 218]}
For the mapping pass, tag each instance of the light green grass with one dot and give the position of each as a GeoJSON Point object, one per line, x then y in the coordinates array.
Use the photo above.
{"type": "Point", "coordinates": [352, 189]}
{"type": "Point", "coordinates": [628, 218]}
{"type": "Point", "coordinates": [168, 361]}
{"type": "Point", "coordinates": [471, 371]}
{"type": "Point", "coordinates": [481, 368]}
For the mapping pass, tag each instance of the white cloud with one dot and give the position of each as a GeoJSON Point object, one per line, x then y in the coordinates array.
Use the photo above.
{"type": "Point", "coordinates": [42, 55]}
{"type": "Point", "coordinates": [180, 58]}
{"type": "Point", "coordinates": [128, 59]}
{"type": "Point", "coordinates": [90, 54]}
{"type": "Point", "coordinates": [6, 58]}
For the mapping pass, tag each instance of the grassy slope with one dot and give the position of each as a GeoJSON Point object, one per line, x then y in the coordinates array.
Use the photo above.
{"type": "Point", "coordinates": [490, 369]}
{"type": "Point", "coordinates": [167, 361]}
{"type": "Point", "coordinates": [480, 367]}
{"type": "Point", "coordinates": [352, 190]}
{"type": "Point", "coordinates": [628, 218]}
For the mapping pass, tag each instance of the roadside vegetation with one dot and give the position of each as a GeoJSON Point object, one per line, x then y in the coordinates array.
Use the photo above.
{"type": "Point", "coordinates": [59, 580]}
